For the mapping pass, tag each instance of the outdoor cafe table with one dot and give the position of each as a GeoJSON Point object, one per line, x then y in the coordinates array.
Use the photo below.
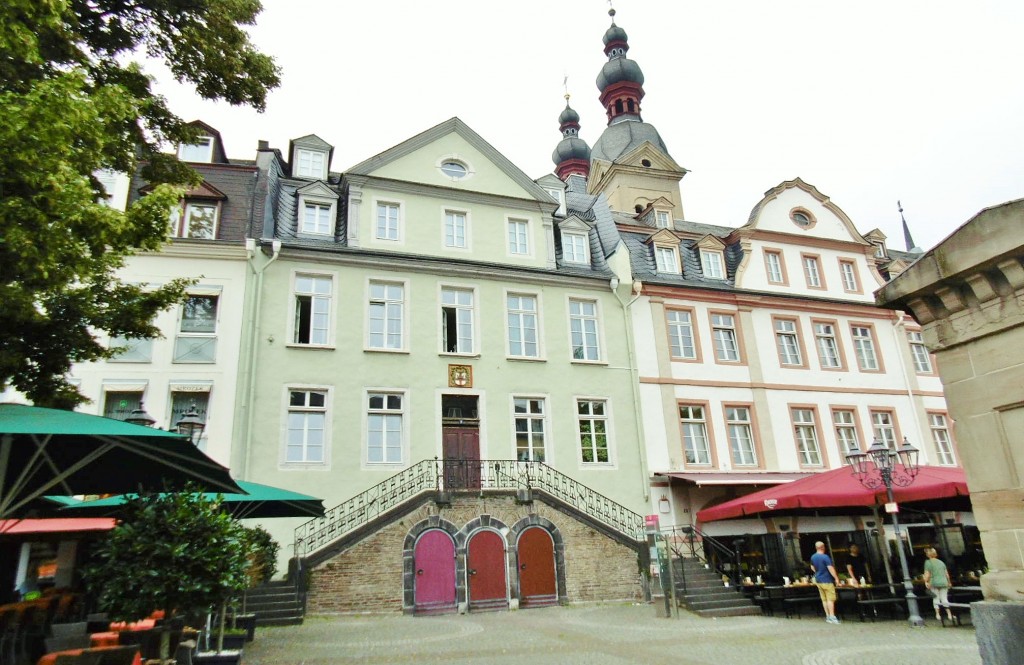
{"type": "Point", "coordinates": [51, 658]}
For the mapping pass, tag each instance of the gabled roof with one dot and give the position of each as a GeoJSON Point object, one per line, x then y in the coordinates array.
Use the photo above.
{"type": "Point", "coordinates": [317, 188]}
{"type": "Point", "coordinates": [456, 126]}
{"type": "Point", "coordinates": [219, 156]}
{"type": "Point", "coordinates": [204, 190]}
{"type": "Point", "coordinates": [797, 183]}
{"type": "Point", "coordinates": [311, 141]}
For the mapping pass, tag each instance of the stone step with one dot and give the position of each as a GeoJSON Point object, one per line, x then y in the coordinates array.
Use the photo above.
{"type": "Point", "coordinates": [278, 613]}
{"type": "Point", "coordinates": [263, 608]}
{"type": "Point", "coordinates": [709, 603]}
{"type": "Point", "coordinates": [279, 621]}
{"type": "Point", "coordinates": [730, 612]}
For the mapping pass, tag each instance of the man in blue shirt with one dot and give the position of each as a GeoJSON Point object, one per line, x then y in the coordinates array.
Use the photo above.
{"type": "Point", "coordinates": [825, 579]}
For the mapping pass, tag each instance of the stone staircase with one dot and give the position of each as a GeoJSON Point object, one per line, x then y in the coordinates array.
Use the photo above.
{"type": "Point", "coordinates": [705, 595]}
{"type": "Point", "coordinates": [275, 604]}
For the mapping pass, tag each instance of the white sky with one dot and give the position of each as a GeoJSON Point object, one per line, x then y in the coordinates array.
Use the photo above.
{"type": "Point", "coordinates": [869, 101]}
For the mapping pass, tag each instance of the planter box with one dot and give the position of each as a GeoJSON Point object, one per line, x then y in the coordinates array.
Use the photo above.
{"type": "Point", "coordinates": [246, 622]}
{"type": "Point", "coordinates": [217, 658]}
{"type": "Point", "coordinates": [232, 641]}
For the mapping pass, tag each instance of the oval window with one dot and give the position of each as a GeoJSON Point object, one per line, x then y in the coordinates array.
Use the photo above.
{"type": "Point", "coordinates": [801, 218]}
{"type": "Point", "coordinates": [454, 169]}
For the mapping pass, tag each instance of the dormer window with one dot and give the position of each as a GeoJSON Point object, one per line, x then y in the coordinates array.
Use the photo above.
{"type": "Point", "coordinates": [574, 248]}
{"type": "Point", "coordinates": [195, 219]}
{"type": "Point", "coordinates": [200, 151]}
{"type": "Point", "coordinates": [310, 164]}
{"type": "Point", "coordinates": [880, 250]}
{"type": "Point", "coordinates": [317, 210]}
{"type": "Point", "coordinates": [662, 219]}
{"type": "Point", "coordinates": [666, 259]}
{"type": "Point", "coordinates": [713, 264]}
{"type": "Point", "coordinates": [316, 218]}
{"type": "Point", "coordinates": [558, 195]}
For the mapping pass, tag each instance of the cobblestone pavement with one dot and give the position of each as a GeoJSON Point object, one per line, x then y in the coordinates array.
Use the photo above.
{"type": "Point", "coordinates": [612, 634]}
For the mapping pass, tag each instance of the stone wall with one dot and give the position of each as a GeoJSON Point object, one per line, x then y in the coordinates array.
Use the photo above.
{"type": "Point", "coordinates": [368, 576]}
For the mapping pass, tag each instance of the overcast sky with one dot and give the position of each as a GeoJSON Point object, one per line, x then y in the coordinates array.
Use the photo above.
{"type": "Point", "coordinates": [871, 102]}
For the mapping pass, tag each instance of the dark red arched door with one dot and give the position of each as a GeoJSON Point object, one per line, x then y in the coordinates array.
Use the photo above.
{"type": "Point", "coordinates": [537, 584]}
{"type": "Point", "coordinates": [434, 563]}
{"type": "Point", "coordinates": [485, 569]}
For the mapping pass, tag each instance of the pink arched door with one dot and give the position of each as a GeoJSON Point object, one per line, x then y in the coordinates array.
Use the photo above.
{"type": "Point", "coordinates": [434, 563]}
{"type": "Point", "coordinates": [537, 568]}
{"type": "Point", "coordinates": [485, 568]}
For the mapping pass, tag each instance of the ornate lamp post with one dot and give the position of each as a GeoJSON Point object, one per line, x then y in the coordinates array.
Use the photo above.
{"type": "Point", "coordinates": [880, 467]}
{"type": "Point", "coordinates": [140, 417]}
{"type": "Point", "coordinates": [191, 425]}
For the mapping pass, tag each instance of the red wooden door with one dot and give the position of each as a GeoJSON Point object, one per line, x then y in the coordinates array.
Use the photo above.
{"type": "Point", "coordinates": [537, 568]}
{"type": "Point", "coordinates": [434, 562]}
{"type": "Point", "coordinates": [461, 449]}
{"type": "Point", "coordinates": [485, 568]}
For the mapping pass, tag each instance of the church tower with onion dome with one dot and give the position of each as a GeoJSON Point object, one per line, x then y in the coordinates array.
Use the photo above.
{"type": "Point", "coordinates": [572, 154]}
{"type": "Point", "coordinates": [630, 163]}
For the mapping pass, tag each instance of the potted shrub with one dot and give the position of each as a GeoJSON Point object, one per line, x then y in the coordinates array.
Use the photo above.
{"type": "Point", "coordinates": [262, 564]}
{"type": "Point", "coordinates": [176, 552]}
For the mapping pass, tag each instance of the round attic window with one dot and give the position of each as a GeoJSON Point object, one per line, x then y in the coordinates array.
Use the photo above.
{"type": "Point", "coordinates": [802, 218]}
{"type": "Point", "coordinates": [646, 162]}
{"type": "Point", "coordinates": [454, 169]}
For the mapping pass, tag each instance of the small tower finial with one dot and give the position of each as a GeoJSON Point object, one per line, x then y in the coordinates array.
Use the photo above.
{"type": "Point", "coordinates": [907, 239]}
{"type": "Point", "coordinates": [565, 87]}
{"type": "Point", "coordinates": [611, 11]}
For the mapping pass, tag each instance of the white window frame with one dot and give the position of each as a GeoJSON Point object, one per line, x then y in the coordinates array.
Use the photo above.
{"type": "Point", "coordinates": [774, 272]}
{"type": "Point", "coordinates": [204, 149]}
{"type": "Point", "coordinates": [383, 307]}
{"type": "Point", "coordinates": [864, 348]}
{"type": "Point", "coordinates": [680, 321]}
{"type": "Point", "coordinates": [521, 316]}
{"type": "Point", "coordinates": [399, 230]}
{"type": "Point", "coordinates": [805, 435]}
{"type": "Point", "coordinates": [455, 229]}
{"type": "Point", "coordinates": [850, 278]}
{"type": "Point", "coordinates": [594, 418]}
{"type": "Point", "coordinates": [558, 195]}
{"type": "Point", "coordinates": [308, 170]}
{"type": "Point", "coordinates": [787, 338]}
{"type": "Point", "coordinates": [939, 425]}
{"type": "Point", "coordinates": [197, 339]}
{"type": "Point", "coordinates": [314, 296]}
{"type": "Point", "coordinates": [712, 264]}
{"type": "Point", "coordinates": [182, 218]}
{"type": "Point", "coordinates": [531, 417]}
{"type": "Point", "coordinates": [587, 327]}
{"type": "Point", "coordinates": [288, 409]}
{"type": "Point", "coordinates": [723, 333]}
{"type": "Point", "coordinates": [663, 219]}
{"type": "Point", "coordinates": [827, 343]}
{"type": "Point", "coordinates": [518, 230]}
{"type": "Point", "coordinates": [734, 425]}
{"type": "Point", "coordinates": [844, 421]}
{"type": "Point", "coordinates": [694, 432]}
{"type": "Point", "coordinates": [812, 271]}
{"type": "Point", "coordinates": [369, 414]}
{"type": "Point", "coordinates": [460, 319]}
{"type": "Point", "coordinates": [569, 238]}
{"type": "Point", "coordinates": [667, 260]}
{"type": "Point", "coordinates": [922, 359]}
{"type": "Point", "coordinates": [319, 206]}
{"type": "Point", "coordinates": [883, 428]}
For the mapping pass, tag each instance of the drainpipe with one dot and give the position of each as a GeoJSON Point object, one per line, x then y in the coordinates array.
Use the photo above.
{"type": "Point", "coordinates": [634, 375]}
{"type": "Point", "coordinates": [900, 323]}
{"type": "Point", "coordinates": [254, 348]}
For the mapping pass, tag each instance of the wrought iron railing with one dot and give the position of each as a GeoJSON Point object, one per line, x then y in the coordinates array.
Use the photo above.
{"type": "Point", "coordinates": [687, 541]}
{"type": "Point", "coordinates": [456, 476]}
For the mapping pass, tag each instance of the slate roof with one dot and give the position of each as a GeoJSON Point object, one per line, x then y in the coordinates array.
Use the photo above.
{"type": "Point", "coordinates": [620, 138]}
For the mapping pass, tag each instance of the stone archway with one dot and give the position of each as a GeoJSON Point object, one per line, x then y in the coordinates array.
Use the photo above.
{"type": "Point", "coordinates": [409, 566]}
{"type": "Point", "coordinates": [534, 521]}
{"type": "Point", "coordinates": [492, 559]}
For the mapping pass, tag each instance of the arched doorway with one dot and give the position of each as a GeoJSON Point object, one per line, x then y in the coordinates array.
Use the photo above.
{"type": "Point", "coordinates": [434, 565]}
{"type": "Point", "coordinates": [485, 571]}
{"type": "Point", "coordinates": [536, 552]}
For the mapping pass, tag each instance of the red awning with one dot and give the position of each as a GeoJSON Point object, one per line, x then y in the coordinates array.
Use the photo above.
{"type": "Point", "coordinates": [56, 525]}
{"type": "Point", "coordinates": [838, 488]}
{"type": "Point", "coordinates": [735, 478]}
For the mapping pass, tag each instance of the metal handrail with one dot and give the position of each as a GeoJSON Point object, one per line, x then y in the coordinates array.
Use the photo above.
{"type": "Point", "coordinates": [457, 476]}
{"type": "Point", "coordinates": [689, 537]}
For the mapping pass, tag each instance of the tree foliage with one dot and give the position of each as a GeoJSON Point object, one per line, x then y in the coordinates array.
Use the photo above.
{"type": "Point", "coordinates": [263, 551]}
{"type": "Point", "coordinates": [177, 552]}
{"type": "Point", "coordinates": [72, 102]}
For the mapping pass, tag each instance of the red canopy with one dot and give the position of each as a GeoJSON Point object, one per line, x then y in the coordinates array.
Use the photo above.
{"type": "Point", "coordinates": [56, 525]}
{"type": "Point", "coordinates": [838, 488]}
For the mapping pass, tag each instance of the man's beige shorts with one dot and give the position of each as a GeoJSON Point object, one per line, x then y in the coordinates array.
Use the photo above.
{"type": "Point", "coordinates": [826, 591]}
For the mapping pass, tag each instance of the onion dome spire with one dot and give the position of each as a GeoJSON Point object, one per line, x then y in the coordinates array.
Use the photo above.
{"type": "Point", "coordinates": [572, 154]}
{"type": "Point", "coordinates": [621, 81]}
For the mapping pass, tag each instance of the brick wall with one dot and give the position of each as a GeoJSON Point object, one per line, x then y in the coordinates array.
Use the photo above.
{"type": "Point", "coordinates": [367, 577]}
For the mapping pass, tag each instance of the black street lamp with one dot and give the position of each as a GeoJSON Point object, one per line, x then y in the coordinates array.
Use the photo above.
{"type": "Point", "coordinates": [879, 467]}
{"type": "Point", "coordinates": [140, 417]}
{"type": "Point", "coordinates": [191, 425]}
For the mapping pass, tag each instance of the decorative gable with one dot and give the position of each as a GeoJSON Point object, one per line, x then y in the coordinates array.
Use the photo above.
{"type": "Point", "coordinates": [797, 208]}
{"type": "Point", "coordinates": [310, 157]}
{"type": "Point", "coordinates": [317, 209]}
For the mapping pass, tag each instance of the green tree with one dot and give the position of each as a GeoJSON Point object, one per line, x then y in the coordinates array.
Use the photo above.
{"type": "Point", "coordinates": [72, 102]}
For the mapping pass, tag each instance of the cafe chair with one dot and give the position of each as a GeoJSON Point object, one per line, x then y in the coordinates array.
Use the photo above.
{"type": "Point", "coordinates": [117, 655]}
{"type": "Point", "coordinates": [66, 642]}
{"type": "Point", "coordinates": [66, 629]}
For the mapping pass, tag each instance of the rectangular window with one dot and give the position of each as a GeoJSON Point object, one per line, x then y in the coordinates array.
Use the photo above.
{"type": "Point", "coordinates": [522, 325]}
{"type": "Point", "coordinates": [848, 270]}
{"type": "Point", "coordinates": [592, 415]}
{"type": "Point", "coordinates": [574, 247]}
{"type": "Point", "coordinates": [695, 435]}
{"type": "Point", "coordinates": [384, 425]}
{"type": "Point", "coordinates": [723, 330]}
{"type": "Point", "coordinates": [788, 342]}
{"type": "Point", "coordinates": [311, 164]}
{"type": "Point", "coordinates": [680, 334]}
{"type": "Point", "coordinates": [312, 310]}
{"type": "Point", "coordinates": [120, 404]}
{"type": "Point", "coordinates": [307, 422]}
{"type": "Point", "coordinates": [828, 345]}
{"type": "Point", "coordinates": [940, 435]}
{"type": "Point", "coordinates": [387, 221]}
{"type": "Point", "coordinates": [845, 423]}
{"type": "Point", "coordinates": [518, 236]}
{"type": "Point", "coordinates": [864, 346]}
{"type": "Point", "coordinates": [922, 361]}
{"type": "Point", "coordinates": [199, 221]}
{"type": "Point", "coordinates": [530, 429]}
{"type": "Point", "coordinates": [199, 315]}
{"type": "Point", "coordinates": [454, 229]}
{"type": "Point", "coordinates": [135, 350]}
{"type": "Point", "coordinates": [316, 218]}
{"type": "Point", "coordinates": [883, 426]}
{"type": "Point", "coordinates": [812, 271]}
{"type": "Point", "coordinates": [773, 267]}
{"type": "Point", "coordinates": [712, 264]}
{"type": "Point", "coordinates": [184, 401]}
{"type": "Point", "coordinates": [666, 260]}
{"type": "Point", "coordinates": [197, 340]}
{"type": "Point", "coordinates": [741, 437]}
{"type": "Point", "coordinates": [583, 330]}
{"type": "Point", "coordinates": [387, 307]}
{"type": "Point", "coordinates": [457, 320]}
{"type": "Point", "coordinates": [805, 432]}
{"type": "Point", "coordinates": [662, 219]}
{"type": "Point", "coordinates": [200, 151]}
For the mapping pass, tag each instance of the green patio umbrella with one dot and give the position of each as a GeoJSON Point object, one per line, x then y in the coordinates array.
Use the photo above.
{"type": "Point", "coordinates": [259, 501]}
{"type": "Point", "coordinates": [54, 452]}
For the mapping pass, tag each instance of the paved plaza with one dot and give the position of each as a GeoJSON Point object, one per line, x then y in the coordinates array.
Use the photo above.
{"type": "Point", "coordinates": [612, 634]}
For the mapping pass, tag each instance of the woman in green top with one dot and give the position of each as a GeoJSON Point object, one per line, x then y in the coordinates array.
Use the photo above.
{"type": "Point", "coordinates": [938, 581]}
